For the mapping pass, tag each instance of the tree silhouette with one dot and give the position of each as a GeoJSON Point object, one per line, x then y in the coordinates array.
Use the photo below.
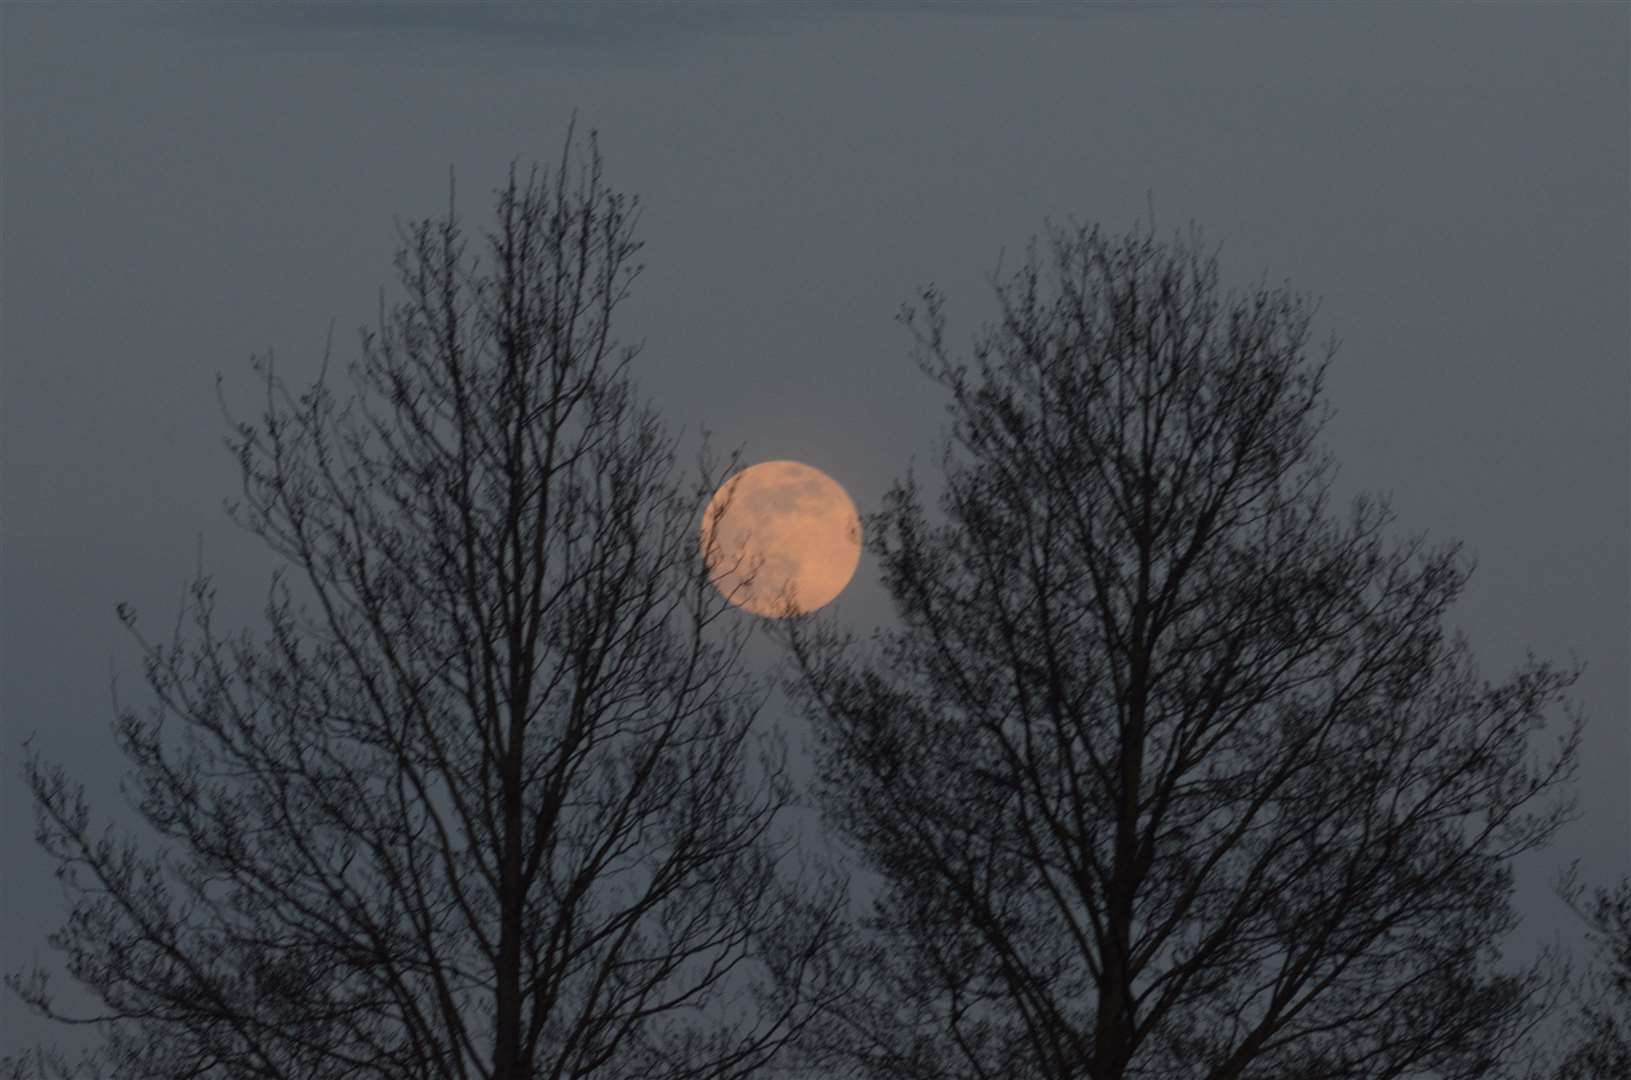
{"type": "Point", "coordinates": [488, 799]}
{"type": "Point", "coordinates": [1601, 1024]}
{"type": "Point", "coordinates": [1167, 771]}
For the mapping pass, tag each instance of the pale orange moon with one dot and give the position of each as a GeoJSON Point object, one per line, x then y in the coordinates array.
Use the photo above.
{"type": "Point", "coordinates": [780, 532]}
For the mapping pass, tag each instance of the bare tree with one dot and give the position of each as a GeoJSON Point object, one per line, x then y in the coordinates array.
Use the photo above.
{"type": "Point", "coordinates": [1166, 771]}
{"type": "Point", "coordinates": [489, 798]}
{"type": "Point", "coordinates": [1600, 1027]}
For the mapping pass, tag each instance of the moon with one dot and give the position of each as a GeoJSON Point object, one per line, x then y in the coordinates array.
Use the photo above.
{"type": "Point", "coordinates": [780, 538]}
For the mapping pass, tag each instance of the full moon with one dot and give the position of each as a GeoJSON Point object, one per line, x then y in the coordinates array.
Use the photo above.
{"type": "Point", "coordinates": [780, 532]}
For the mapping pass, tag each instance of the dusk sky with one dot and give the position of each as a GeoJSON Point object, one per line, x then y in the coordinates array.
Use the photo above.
{"type": "Point", "coordinates": [184, 186]}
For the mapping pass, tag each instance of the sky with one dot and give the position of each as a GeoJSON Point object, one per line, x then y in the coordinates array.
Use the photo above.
{"type": "Point", "coordinates": [183, 186]}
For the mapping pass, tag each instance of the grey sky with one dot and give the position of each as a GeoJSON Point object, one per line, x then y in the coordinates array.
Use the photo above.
{"type": "Point", "coordinates": [183, 186]}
